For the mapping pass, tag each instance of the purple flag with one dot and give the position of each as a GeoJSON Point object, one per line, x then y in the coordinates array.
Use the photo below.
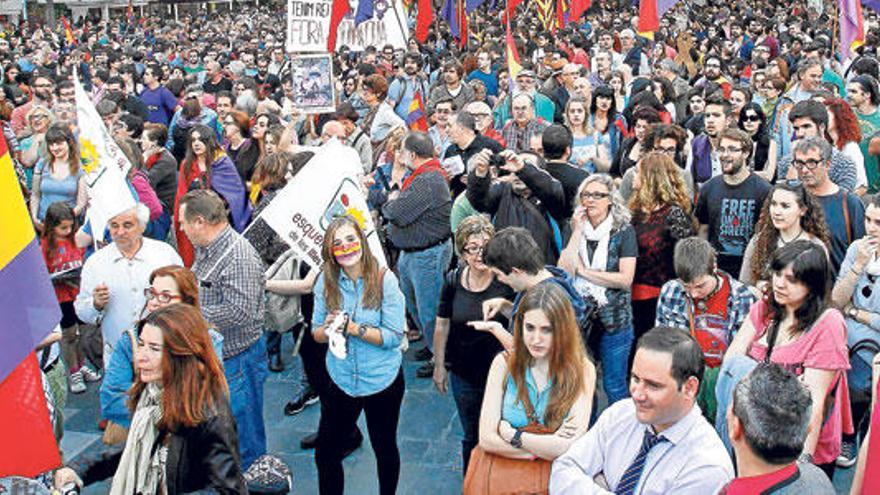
{"type": "Point", "coordinates": [448, 13]}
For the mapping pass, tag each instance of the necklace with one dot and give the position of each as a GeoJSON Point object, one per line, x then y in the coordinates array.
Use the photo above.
{"type": "Point", "coordinates": [784, 242]}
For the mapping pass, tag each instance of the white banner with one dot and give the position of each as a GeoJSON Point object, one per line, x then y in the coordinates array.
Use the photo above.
{"type": "Point", "coordinates": [308, 26]}
{"type": "Point", "coordinates": [328, 186]}
{"type": "Point", "coordinates": [104, 164]}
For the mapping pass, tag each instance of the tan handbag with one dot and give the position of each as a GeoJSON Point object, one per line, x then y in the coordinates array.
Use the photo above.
{"type": "Point", "coordinates": [491, 474]}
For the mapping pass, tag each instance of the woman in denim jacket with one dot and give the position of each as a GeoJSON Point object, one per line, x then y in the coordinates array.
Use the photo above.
{"type": "Point", "coordinates": [359, 310]}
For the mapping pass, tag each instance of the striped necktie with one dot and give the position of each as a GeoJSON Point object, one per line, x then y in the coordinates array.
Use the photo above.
{"type": "Point", "coordinates": [632, 474]}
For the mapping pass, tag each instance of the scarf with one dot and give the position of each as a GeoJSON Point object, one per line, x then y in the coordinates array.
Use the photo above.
{"type": "Point", "coordinates": [139, 470]}
{"type": "Point", "coordinates": [152, 160]}
{"type": "Point", "coordinates": [432, 165]}
{"type": "Point", "coordinates": [599, 261]}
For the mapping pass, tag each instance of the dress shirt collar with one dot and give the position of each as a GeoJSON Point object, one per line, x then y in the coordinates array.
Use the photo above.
{"type": "Point", "coordinates": [677, 432]}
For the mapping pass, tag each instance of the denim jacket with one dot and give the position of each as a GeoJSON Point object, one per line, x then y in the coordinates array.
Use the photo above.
{"type": "Point", "coordinates": [367, 368]}
{"type": "Point", "coordinates": [119, 375]}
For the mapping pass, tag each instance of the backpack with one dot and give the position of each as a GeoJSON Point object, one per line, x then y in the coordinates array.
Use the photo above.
{"type": "Point", "coordinates": [283, 312]}
{"type": "Point", "coordinates": [268, 475]}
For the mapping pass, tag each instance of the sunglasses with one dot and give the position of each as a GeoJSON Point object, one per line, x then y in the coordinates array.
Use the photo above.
{"type": "Point", "coordinates": [595, 195]}
{"type": "Point", "coordinates": [752, 117]}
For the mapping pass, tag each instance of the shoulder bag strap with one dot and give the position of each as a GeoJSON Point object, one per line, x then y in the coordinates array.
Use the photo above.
{"type": "Point", "coordinates": [846, 218]}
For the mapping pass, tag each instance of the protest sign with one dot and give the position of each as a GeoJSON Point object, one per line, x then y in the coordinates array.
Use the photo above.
{"type": "Point", "coordinates": [313, 89]}
{"type": "Point", "coordinates": [104, 164]}
{"type": "Point", "coordinates": [325, 188]}
{"type": "Point", "coordinates": [308, 26]}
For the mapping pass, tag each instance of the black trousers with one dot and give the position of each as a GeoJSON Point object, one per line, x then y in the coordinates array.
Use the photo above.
{"type": "Point", "coordinates": [339, 414]}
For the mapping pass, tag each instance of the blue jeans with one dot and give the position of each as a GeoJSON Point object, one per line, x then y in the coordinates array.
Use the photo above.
{"type": "Point", "coordinates": [246, 373]}
{"type": "Point", "coordinates": [614, 353]}
{"type": "Point", "coordinates": [421, 279]}
{"type": "Point", "coordinates": [468, 400]}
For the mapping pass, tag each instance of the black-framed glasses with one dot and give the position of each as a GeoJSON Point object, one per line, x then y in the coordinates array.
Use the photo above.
{"type": "Point", "coordinates": [162, 297]}
{"type": "Point", "coordinates": [752, 117]}
{"type": "Point", "coordinates": [808, 164]}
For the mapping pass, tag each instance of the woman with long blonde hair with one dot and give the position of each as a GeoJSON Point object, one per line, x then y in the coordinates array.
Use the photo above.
{"type": "Point", "coordinates": [661, 215]}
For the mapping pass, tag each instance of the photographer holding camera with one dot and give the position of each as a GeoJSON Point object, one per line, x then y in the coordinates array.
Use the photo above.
{"type": "Point", "coordinates": [516, 191]}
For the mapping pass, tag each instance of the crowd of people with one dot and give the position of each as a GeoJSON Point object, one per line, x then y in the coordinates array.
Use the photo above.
{"type": "Point", "coordinates": [640, 264]}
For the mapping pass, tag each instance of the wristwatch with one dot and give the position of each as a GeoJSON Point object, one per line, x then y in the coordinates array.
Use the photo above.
{"type": "Point", "coordinates": [852, 312]}
{"type": "Point", "coordinates": [362, 330]}
{"type": "Point", "coordinates": [516, 441]}
{"type": "Point", "coordinates": [805, 458]}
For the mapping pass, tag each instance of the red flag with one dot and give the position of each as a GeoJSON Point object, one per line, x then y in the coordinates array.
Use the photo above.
{"type": "Point", "coordinates": [29, 446]}
{"type": "Point", "coordinates": [424, 20]}
{"type": "Point", "coordinates": [462, 25]}
{"type": "Point", "coordinates": [649, 21]}
{"type": "Point", "coordinates": [511, 8]}
{"type": "Point", "coordinates": [339, 9]}
{"type": "Point", "coordinates": [578, 7]}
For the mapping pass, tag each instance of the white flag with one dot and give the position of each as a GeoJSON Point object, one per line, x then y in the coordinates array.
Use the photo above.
{"type": "Point", "coordinates": [104, 163]}
{"type": "Point", "coordinates": [325, 188]}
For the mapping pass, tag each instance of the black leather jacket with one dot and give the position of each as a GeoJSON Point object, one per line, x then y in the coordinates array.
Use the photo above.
{"type": "Point", "coordinates": [201, 459]}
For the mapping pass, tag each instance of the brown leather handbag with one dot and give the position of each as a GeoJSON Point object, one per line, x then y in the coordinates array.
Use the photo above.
{"type": "Point", "coordinates": [498, 475]}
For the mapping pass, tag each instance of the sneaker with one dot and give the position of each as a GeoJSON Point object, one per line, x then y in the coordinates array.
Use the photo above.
{"type": "Point", "coordinates": [77, 384]}
{"type": "Point", "coordinates": [848, 454]}
{"type": "Point", "coordinates": [424, 354]}
{"type": "Point", "coordinates": [300, 402]}
{"type": "Point", "coordinates": [91, 375]}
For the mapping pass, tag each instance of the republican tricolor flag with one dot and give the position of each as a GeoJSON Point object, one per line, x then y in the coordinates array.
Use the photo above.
{"type": "Point", "coordinates": [68, 33]}
{"type": "Point", "coordinates": [650, 12]}
{"type": "Point", "coordinates": [852, 29]}
{"type": "Point", "coordinates": [30, 312]}
{"type": "Point", "coordinates": [415, 118]}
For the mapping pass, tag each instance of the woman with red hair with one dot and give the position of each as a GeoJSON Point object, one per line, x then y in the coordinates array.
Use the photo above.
{"type": "Point", "coordinates": [845, 134]}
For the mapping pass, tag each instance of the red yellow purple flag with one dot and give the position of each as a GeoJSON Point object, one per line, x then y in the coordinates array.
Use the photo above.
{"type": "Point", "coordinates": [30, 311]}
{"type": "Point", "coordinates": [415, 119]}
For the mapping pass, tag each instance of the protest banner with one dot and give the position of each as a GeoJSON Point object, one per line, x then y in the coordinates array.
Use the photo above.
{"type": "Point", "coordinates": [313, 89]}
{"type": "Point", "coordinates": [104, 163]}
{"type": "Point", "coordinates": [308, 26]}
{"type": "Point", "coordinates": [326, 187]}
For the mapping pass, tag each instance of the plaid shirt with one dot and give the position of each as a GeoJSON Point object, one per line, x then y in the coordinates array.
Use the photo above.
{"type": "Point", "coordinates": [231, 294]}
{"type": "Point", "coordinates": [519, 138]}
{"type": "Point", "coordinates": [673, 307]}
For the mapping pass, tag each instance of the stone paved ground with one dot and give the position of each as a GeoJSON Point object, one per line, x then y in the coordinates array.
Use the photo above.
{"type": "Point", "coordinates": [428, 437]}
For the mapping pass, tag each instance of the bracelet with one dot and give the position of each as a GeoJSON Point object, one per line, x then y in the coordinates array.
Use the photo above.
{"type": "Point", "coordinates": [852, 270]}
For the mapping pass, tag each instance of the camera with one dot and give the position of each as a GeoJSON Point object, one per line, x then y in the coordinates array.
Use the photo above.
{"type": "Point", "coordinates": [496, 160]}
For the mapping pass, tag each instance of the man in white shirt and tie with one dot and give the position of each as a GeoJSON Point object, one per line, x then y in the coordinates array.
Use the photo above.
{"type": "Point", "coordinates": [656, 443]}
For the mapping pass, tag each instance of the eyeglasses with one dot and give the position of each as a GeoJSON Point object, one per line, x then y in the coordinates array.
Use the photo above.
{"type": "Point", "coordinates": [480, 115]}
{"type": "Point", "coordinates": [473, 249]}
{"type": "Point", "coordinates": [808, 164]}
{"type": "Point", "coordinates": [162, 297]}
{"type": "Point", "coordinates": [669, 151]}
{"type": "Point", "coordinates": [752, 117]}
{"type": "Point", "coordinates": [595, 195]}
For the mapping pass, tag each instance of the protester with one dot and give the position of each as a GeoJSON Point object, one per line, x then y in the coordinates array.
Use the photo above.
{"type": "Point", "coordinates": [179, 395]}
{"type": "Point", "coordinates": [168, 285]}
{"type": "Point", "coordinates": [615, 454]}
{"type": "Point", "coordinates": [539, 394]}
{"type": "Point", "coordinates": [111, 292]}
{"type": "Point", "coordinates": [361, 303]}
{"type": "Point", "coordinates": [855, 293]}
{"type": "Point", "coordinates": [708, 302]}
{"type": "Point", "coordinates": [661, 216]}
{"type": "Point", "coordinates": [231, 284]}
{"type": "Point", "coordinates": [768, 423]}
{"type": "Point", "coordinates": [418, 215]}
{"type": "Point", "coordinates": [58, 177]}
{"type": "Point", "coordinates": [207, 167]}
{"type": "Point", "coordinates": [795, 328]}
{"type": "Point", "coordinates": [789, 213]}
{"type": "Point", "coordinates": [728, 206]}
{"type": "Point", "coordinates": [468, 352]}
{"type": "Point", "coordinates": [601, 259]}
